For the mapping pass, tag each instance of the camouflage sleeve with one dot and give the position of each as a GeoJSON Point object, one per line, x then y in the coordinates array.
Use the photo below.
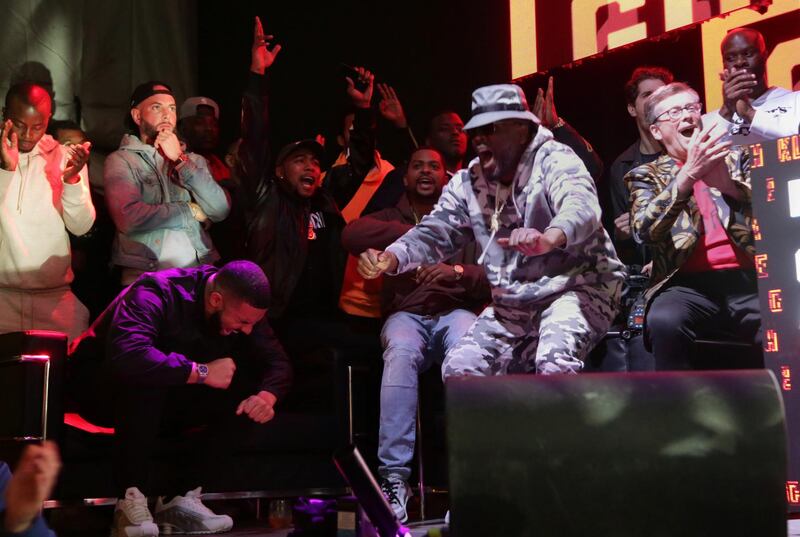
{"type": "Point", "coordinates": [571, 193]}
{"type": "Point", "coordinates": [653, 210]}
{"type": "Point", "coordinates": [440, 234]}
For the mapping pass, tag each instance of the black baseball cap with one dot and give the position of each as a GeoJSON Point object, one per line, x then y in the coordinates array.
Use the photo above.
{"type": "Point", "coordinates": [290, 148]}
{"type": "Point", "coordinates": [148, 89]}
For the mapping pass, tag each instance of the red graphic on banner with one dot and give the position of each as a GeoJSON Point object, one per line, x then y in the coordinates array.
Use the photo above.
{"type": "Point", "coordinates": [775, 301]}
{"type": "Point", "coordinates": [756, 230]}
{"type": "Point", "coordinates": [792, 492]}
{"type": "Point", "coordinates": [786, 378]}
{"type": "Point", "coordinates": [789, 148]}
{"type": "Point", "coordinates": [758, 156]}
{"type": "Point", "coordinates": [770, 189]}
{"type": "Point", "coordinates": [761, 265]}
{"type": "Point", "coordinates": [772, 341]}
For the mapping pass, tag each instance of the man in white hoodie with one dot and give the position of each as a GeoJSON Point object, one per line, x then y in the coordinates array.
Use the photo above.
{"type": "Point", "coordinates": [44, 192]}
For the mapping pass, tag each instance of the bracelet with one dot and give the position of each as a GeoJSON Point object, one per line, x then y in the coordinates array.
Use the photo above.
{"type": "Point", "coordinates": [559, 123]}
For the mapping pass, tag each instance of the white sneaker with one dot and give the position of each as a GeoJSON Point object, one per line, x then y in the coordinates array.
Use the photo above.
{"type": "Point", "coordinates": [397, 492]}
{"type": "Point", "coordinates": [132, 518]}
{"type": "Point", "coordinates": [187, 514]}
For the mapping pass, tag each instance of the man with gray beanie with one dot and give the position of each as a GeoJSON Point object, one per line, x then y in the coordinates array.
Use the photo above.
{"type": "Point", "coordinates": [532, 206]}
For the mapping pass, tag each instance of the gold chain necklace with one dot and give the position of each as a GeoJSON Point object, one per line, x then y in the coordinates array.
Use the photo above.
{"type": "Point", "coordinates": [498, 208]}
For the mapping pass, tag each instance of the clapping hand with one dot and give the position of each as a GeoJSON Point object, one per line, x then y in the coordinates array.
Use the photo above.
{"type": "Point", "coordinates": [78, 157]}
{"type": "Point", "coordinates": [9, 147]}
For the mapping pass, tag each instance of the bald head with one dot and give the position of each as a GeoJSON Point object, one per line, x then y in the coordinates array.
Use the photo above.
{"type": "Point", "coordinates": [752, 36]}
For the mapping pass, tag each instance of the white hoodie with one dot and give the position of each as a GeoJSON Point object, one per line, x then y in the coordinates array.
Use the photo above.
{"type": "Point", "coordinates": [36, 210]}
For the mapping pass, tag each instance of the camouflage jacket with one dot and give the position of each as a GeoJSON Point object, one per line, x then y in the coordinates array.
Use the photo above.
{"type": "Point", "coordinates": [551, 189]}
{"type": "Point", "coordinates": [672, 226]}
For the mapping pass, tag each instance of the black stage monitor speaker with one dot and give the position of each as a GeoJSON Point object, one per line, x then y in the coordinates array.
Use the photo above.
{"type": "Point", "coordinates": [622, 455]}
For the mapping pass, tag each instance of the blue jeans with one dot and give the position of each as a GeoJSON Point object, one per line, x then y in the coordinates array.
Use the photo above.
{"type": "Point", "coordinates": [411, 345]}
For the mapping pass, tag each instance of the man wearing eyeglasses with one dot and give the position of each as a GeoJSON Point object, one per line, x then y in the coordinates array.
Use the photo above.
{"type": "Point", "coordinates": [752, 111]}
{"type": "Point", "coordinates": [692, 207]}
{"type": "Point", "coordinates": [532, 206]}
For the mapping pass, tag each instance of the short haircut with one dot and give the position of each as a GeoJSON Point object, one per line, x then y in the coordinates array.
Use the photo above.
{"type": "Point", "coordinates": [245, 280]}
{"type": "Point", "coordinates": [439, 114]}
{"type": "Point", "coordinates": [758, 37]}
{"type": "Point", "coordinates": [26, 93]}
{"type": "Point", "coordinates": [640, 74]}
{"type": "Point", "coordinates": [663, 93]}
{"type": "Point", "coordinates": [426, 148]}
{"type": "Point", "coordinates": [66, 124]}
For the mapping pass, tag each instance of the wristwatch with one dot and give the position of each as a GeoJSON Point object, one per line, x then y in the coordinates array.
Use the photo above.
{"type": "Point", "coordinates": [182, 159]}
{"type": "Point", "coordinates": [459, 270]}
{"type": "Point", "coordinates": [202, 373]}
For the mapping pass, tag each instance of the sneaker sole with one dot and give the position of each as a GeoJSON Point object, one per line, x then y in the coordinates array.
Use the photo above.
{"type": "Point", "coordinates": [169, 529]}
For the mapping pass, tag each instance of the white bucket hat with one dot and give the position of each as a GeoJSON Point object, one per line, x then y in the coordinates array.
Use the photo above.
{"type": "Point", "coordinates": [500, 101]}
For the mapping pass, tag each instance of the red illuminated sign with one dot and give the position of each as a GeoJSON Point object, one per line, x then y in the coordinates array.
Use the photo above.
{"type": "Point", "coordinates": [758, 156]}
{"type": "Point", "coordinates": [792, 492]}
{"type": "Point", "coordinates": [760, 261]}
{"type": "Point", "coordinates": [789, 148]}
{"type": "Point", "coordinates": [775, 301]}
{"type": "Point", "coordinates": [756, 229]}
{"type": "Point", "coordinates": [772, 341]}
{"type": "Point", "coordinates": [770, 189]}
{"type": "Point", "coordinates": [786, 378]}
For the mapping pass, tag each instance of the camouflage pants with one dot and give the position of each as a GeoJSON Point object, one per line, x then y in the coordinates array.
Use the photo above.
{"type": "Point", "coordinates": [555, 338]}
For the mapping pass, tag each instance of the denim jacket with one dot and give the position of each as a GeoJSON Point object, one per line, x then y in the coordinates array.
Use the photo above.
{"type": "Point", "coordinates": [144, 203]}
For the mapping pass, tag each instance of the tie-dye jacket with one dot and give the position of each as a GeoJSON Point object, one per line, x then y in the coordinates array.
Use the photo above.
{"type": "Point", "coordinates": [672, 226]}
{"type": "Point", "coordinates": [551, 189]}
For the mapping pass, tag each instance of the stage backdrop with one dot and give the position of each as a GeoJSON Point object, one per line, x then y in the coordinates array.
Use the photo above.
{"type": "Point", "coordinates": [776, 228]}
{"type": "Point", "coordinates": [546, 34]}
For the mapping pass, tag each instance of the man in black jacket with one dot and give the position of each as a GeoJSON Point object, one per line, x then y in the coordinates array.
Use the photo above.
{"type": "Point", "coordinates": [179, 347]}
{"type": "Point", "coordinates": [293, 223]}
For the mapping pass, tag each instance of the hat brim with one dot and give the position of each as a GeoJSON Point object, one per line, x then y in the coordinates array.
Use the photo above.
{"type": "Point", "coordinates": [293, 147]}
{"type": "Point", "coordinates": [487, 118]}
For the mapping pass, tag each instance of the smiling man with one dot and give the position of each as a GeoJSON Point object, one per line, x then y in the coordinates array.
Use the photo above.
{"type": "Point", "coordinates": [44, 192]}
{"type": "Point", "coordinates": [158, 196]}
{"type": "Point", "coordinates": [180, 347]}
{"type": "Point", "coordinates": [531, 205]}
{"type": "Point", "coordinates": [427, 312]}
{"type": "Point", "coordinates": [692, 207]}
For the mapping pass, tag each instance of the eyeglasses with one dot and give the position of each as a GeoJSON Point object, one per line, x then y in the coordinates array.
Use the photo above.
{"type": "Point", "coordinates": [676, 112]}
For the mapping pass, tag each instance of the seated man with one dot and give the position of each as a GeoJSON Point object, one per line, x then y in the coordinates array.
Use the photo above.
{"type": "Point", "coordinates": [22, 495]}
{"type": "Point", "coordinates": [427, 313]}
{"type": "Point", "coordinates": [531, 205]}
{"type": "Point", "coordinates": [140, 364]}
{"type": "Point", "coordinates": [44, 191]}
{"type": "Point", "coordinates": [157, 195]}
{"type": "Point", "coordinates": [692, 207]}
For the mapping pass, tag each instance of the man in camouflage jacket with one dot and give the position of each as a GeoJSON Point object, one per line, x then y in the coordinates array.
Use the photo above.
{"type": "Point", "coordinates": [532, 206]}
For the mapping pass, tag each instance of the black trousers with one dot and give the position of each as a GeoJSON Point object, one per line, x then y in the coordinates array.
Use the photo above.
{"type": "Point", "coordinates": [717, 304]}
{"type": "Point", "coordinates": [199, 418]}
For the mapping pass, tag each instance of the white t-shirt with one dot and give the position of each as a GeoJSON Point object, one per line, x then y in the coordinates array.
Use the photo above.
{"type": "Point", "coordinates": [777, 115]}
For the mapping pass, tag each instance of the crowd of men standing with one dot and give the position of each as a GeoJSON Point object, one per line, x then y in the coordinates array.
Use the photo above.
{"type": "Point", "coordinates": [492, 266]}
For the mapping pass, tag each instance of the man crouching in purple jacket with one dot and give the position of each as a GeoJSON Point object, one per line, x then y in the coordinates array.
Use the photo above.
{"type": "Point", "coordinates": [179, 347]}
